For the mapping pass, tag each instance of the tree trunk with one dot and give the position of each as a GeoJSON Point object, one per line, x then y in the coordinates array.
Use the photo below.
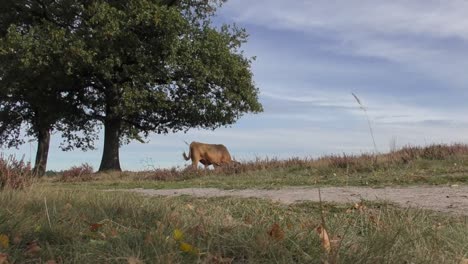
{"type": "Point", "coordinates": [43, 143]}
{"type": "Point", "coordinates": [110, 156]}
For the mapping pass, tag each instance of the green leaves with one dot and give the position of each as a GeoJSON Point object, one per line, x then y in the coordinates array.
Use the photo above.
{"type": "Point", "coordinates": [150, 66]}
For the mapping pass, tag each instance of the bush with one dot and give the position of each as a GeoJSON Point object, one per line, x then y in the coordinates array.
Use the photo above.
{"type": "Point", "coordinates": [14, 174]}
{"type": "Point", "coordinates": [77, 173]}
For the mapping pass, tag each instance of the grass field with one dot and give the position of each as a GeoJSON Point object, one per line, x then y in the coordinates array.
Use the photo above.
{"type": "Point", "coordinates": [436, 165]}
{"type": "Point", "coordinates": [44, 223]}
{"type": "Point", "coordinates": [70, 218]}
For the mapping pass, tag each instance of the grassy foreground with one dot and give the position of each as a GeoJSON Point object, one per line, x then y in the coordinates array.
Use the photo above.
{"type": "Point", "coordinates": [41, 224]}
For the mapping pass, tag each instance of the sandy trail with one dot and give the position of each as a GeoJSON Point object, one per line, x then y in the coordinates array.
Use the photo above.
{"type": "Point", "coordinates": [452, 199]}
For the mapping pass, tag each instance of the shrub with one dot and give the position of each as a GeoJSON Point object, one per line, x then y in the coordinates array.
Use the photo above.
{"type": "Point", "coordinates": [77, 173]}
{"type": "Point", "coordinates": [14, 174]}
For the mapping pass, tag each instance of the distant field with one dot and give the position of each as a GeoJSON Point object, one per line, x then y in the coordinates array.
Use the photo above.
{"type": "Point", "coordinates": [435, 165]}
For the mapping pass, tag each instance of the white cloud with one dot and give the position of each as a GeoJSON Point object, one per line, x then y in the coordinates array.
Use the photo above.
{"type": "Point", "coordinates": [381, 109]}
{"type": "Point", "coordinates": [433, 17]}
{"type": "Point", "coordinates": [405, 32]}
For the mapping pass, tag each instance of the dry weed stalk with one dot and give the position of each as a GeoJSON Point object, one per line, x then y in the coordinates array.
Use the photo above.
{"type": "Point", "coordinates": [361, 105]}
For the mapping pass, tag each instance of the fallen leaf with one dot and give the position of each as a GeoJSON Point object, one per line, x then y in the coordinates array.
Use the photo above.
{"type": "Point", "coordinates": [323, 234]}
{"type": "Point", "coordinates": [178, 235]}
{"type": "Point", "coordinates": [186, 247]}
{"type": "Point", "coordinates": [276, 232]}
{"type": "Point", "coordinates": [32, 248]}
{"type": "Point", "coordinates": [360, 206]}
{"type": "Point", "coordinates": [464, 261]}
{"type": "Point", "coordinates": [4, 258]}
{"type": "Point", "coordinates": [94, 227]}
{"type": "Point", "coordinates": [134, 260]}
{"type": "Point", "coordinates": [4, 241]}
{"type": "Point", "coordinates": [190, 207]}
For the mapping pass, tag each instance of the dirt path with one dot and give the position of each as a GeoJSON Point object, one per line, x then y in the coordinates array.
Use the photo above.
{"type": "Point", "coordinates": [439, 198]}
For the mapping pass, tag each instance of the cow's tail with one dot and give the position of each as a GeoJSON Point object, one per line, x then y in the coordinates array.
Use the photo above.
{"type": "Point", "coordinates": [189, 154]}
{"type": "Point", "coordinates": [185, 155]}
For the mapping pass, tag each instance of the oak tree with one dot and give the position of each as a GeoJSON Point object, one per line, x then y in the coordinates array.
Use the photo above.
{"type": "Point", "coordinates": [163, 67]}
{"type": "Point", "coordinates": [146, 66]}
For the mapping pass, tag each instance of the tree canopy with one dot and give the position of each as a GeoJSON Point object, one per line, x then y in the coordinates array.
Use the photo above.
{"type": "Point", "coordinates": [36, 94]}
{"type": "Point", "coordinates": [143, 66]}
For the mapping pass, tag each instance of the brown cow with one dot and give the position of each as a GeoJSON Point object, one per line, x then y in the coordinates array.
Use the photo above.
{"type": "Point", "coordinates": [208, 154]}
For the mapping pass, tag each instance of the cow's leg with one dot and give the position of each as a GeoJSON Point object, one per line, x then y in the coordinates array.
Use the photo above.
{"type": "Point", "coordinates": [194, 164]}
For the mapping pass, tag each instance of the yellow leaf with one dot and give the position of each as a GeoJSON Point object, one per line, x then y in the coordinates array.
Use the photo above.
{"type": "Point", "coordinates": [186, 247]}
{"type": "Point", "coordinates": [4, 241]}
{"type": "Point", "coordinates": [178, 235]}
{"type": "Point", "coordinates": [323, 234]}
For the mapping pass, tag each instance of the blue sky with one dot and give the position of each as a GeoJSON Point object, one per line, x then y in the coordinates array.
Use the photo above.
{"type": "Point", "coordinates": [406, 60]}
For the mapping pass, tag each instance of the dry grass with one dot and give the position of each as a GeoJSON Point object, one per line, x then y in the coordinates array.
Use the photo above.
{"type": "Point", "coordinates": [350, 163]}
{"type": "Point", "coordinates": [14, 173]}
{"type": "Point", "coordinates": [84, 172]}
